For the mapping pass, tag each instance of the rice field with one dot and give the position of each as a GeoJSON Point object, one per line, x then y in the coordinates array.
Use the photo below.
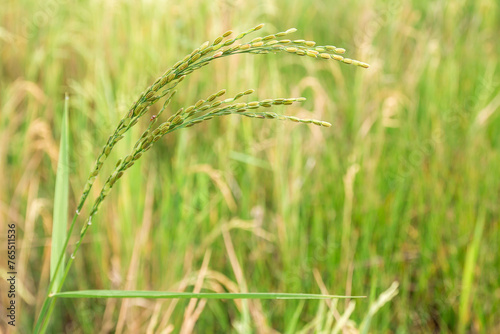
{"type": "Point", "coordinates": [403, 187]}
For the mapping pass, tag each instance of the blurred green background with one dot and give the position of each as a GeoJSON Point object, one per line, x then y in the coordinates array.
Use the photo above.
{"type": "Point", "coordinates": [403, 187]}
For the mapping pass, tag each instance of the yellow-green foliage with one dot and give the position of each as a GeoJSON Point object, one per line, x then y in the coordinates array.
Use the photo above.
{"type": "Point", "coordinates": [403, 185]}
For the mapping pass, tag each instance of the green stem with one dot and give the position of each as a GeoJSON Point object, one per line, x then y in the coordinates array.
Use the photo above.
{"type": "Point", "coordinates": [49, 301]}
{"type": "Point", "coordinates": [43, 311]}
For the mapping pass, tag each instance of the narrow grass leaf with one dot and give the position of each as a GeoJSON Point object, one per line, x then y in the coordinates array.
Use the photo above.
{"type": "Point", "coordinates": [292, 324]}
{"type": "Point", "coordinates": [468, 274]}
{"type": "Point", "coordinates": [60, 201]}
{"type": "Point", "coordinates": [189, 295]}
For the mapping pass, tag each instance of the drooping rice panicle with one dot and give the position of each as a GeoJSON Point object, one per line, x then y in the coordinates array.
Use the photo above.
{"type": "Point", "coordinates": [222, 46]}
{"type": "Point", "coordinates": [181, 119]}
{"type": "Point", "coordinates": [201, 56]}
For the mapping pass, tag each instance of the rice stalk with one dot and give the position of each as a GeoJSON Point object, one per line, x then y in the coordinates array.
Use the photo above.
{"type": "Point", "coordinates": [201, 111]}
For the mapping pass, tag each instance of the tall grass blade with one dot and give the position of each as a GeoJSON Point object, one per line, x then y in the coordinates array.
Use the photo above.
{"type": "Point", "coordinates": [292, 325]}
{"type": "Point", "coordinates": [468, 274]}
{"type": "Point", "coordinates": [189, 295]}
{"type": "Point", "coordinates": [60, 201]}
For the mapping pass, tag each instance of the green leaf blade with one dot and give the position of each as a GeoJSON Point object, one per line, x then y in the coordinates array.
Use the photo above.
{"type": "Point", "coordinates": [190, 295]}
{"type": "Point", "coordinates": [60, 213]}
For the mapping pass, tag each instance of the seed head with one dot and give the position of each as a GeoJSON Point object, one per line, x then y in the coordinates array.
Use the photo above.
{"type": "Point", "coordinates": [126, 121]}
{"type": "Point", "coordinates": [293, 119]}
{"type": "Point", "coordinates": [204, 45]}
{"type": "Point", "coordinates": [163, 81]}
{"type": "Point", "coordinates": [205, 51]}
{"type": "Point", "coordinates": [177, 64]}
{"type": "Point", "coordinates": [272, 42]}
{"type": "Point", "coordinates": [170, 77]}
{"type": "Point", "coordinates": [127, 159]}
{"type": "Point", "coordinates": [217, 40]}
{"type": "Point", "coordinates": [122, 131]}
{"type": "Point", "coordinates": [171, 118]}
{"type": "Point", "coordinates": [260, 26]}
{"type": "Point", "coordinates": [177, 120]}
{"type": "Point", "coordinates": [195, 51]}
{"type": "Point", "coordinates": [195, 58]}
{"type": "Point", "coordinates": [311, 54]}
{"type": "Point", "coordinates": [229, 42]}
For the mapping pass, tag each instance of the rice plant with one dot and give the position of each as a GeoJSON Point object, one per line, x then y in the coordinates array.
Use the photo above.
{"type": "Point", "coordinates": [212, 106]}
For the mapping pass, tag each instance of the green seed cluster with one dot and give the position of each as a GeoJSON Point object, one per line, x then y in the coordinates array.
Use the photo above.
{"type": "Point", "coordinates": [300, 47]}
{"type": "Point", "coordinates": [222, 46]}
